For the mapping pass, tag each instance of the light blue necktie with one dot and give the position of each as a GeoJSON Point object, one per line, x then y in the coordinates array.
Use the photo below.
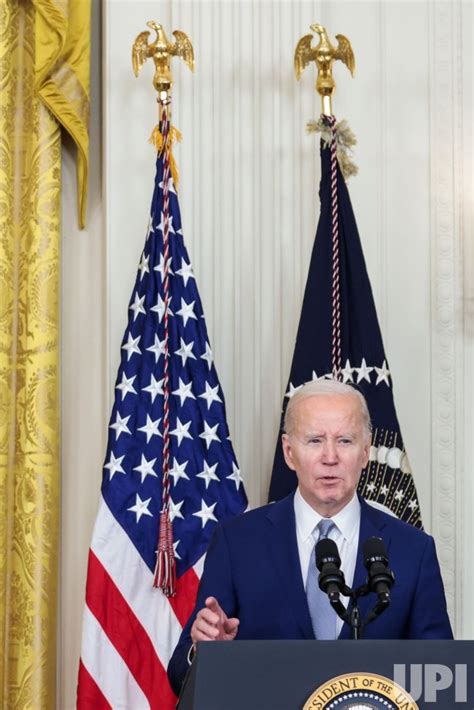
{"type": "Point", "coordinates": [322, 614]}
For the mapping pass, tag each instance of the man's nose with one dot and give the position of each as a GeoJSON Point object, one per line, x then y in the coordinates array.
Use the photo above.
{"type": "Point", "coordinates": [330, 452]}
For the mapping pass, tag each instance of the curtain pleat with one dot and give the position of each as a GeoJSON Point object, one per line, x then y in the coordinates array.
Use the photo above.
{"type": "Point", "coordinates": [30, 186]}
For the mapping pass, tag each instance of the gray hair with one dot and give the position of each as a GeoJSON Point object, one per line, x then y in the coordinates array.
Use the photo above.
{"type": "Point", "coordinates": [325, 387]}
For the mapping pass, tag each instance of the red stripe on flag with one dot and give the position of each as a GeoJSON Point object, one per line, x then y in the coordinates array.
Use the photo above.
{"type": "Point", "coordinates": [127, 635]}
{"type": "Point", "coordinates": [185, 599]}
{"type": "Point", "coordinates": [89, 695]}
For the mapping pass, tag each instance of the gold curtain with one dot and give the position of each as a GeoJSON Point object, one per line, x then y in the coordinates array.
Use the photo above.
{"type": "Point", "coordinates": [44, 83]}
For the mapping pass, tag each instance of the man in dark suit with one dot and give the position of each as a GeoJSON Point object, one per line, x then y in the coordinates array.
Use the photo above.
{"type": "Point", "coordinates": [259, 579]}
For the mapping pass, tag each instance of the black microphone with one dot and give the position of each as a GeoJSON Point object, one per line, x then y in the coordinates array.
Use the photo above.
{"type": "Point", "coordinates": [381, 579]}
{"type": "Point", "coordinates": [328, 562]}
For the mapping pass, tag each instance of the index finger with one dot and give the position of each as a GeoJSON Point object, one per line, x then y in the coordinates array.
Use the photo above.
{"type": "Point", "coordinates": [213, 604]}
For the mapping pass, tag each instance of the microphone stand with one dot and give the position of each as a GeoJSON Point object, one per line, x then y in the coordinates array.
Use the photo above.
{"type": "Point", "coordinates": [351, 615]}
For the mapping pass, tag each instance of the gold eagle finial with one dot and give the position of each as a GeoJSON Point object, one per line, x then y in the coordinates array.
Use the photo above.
{"type": "Point", "coordinates": [324, 54]}
{"type": "Point", "coordinates": [161, 51]}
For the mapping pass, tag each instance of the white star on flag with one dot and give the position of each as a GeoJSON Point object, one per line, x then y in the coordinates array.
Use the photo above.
{"type": "Point", "coordinates": [175, 546]}
{"type": "Point", "coordinates": [182, 431]}
{"type": "Point", "coordinates": [209, 474]}
{"type": "Point", "coordinates": [143, 267]}
{"type": "Point", "coordinates": [158, 348]}
{"type": "Point", "coordinates": [149, 228]}
{"type": "Point", "coordinates": [371, 487]}
{"type": "Point", "coordinates": [363, 371]}
{"type": "Point", "coordinates": [150, 428]}
{"type": "Point", "coordinates": [383, 374]}
{"type": "Point", "coordinates": [146, 468]}
{"type": "Point", "coordinates": [178, 471]}
{"type": "Point", "coordinates": [347, 371]}
{"type": "Point", "coordinates": [126, 385]}
{"type": "Point", "coordinates": [399, 495]}
{"type": "Point", "coordinates": [206, 513]}
{"type": "Point", "coordinates": [207, 356]}
{"type": "Point", "coordinates": [120, 426]}
{"type": "Point", "coordinates": [161, 225]}
{"type": "Point", "coordinates": [160, 308]}
{"type": "Point", "coordinates": [210, 395]}
{"type": "Point", "coordinates": [137, 306]}
{"type": "Point", "coordinates": [170, 185]}
{"type": "Point", "coordinates": [413, 505]}
{"type": "Point", "coordinates": [292, 390]}
{"type": "Point", "coordinates": [186, 272]}
{"type": "Point", "coordinates": [184, 391]}
{"type": "Point", "coordinates": [161, 267]}
{"type": "Point", "coordinates": [235, 475]}
{"type": "Point", "coordinates": [141, 507]}
{"type": "Point", "coordinates": [131, 346]}
{"type": "Point", "coordinates": [383, 491]}
{"type": "Point", "coordinates": [185, 351]}
{"type": "Point", "coordinates": [114, 465]}
{"type": "Point", "coordinates": [186, 311]}
{"type": "Point", "coordinates": [154, 388]}
{"type": "Point", "coordinates": [175, 510]}
{"type": "Point", "coordinates": [209, 434]}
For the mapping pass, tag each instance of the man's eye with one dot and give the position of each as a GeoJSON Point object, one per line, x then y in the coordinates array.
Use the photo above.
{"type": "Point", "coordinates": [345, 441]}
{"type": "Point", "coordinates": [315, 440]}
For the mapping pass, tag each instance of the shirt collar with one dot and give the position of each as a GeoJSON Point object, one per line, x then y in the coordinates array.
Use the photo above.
{"type": "Point", "coordinates": [347, 520]}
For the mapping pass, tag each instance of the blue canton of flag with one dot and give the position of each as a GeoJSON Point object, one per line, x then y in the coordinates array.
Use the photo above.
{"type": "Point", "coordinates": [387, 479]}
{"type": "Point", "coordinates": [206, 485]}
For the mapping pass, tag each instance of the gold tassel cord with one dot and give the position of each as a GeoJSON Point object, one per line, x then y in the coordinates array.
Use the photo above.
{"type": "Point", "coordinates": [157, 140]}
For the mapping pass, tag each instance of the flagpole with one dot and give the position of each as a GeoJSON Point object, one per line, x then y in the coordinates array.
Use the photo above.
{"type": "Point", "coordinates": [161, 51]}
{"type": "Point", "coordinates": [324, 55]}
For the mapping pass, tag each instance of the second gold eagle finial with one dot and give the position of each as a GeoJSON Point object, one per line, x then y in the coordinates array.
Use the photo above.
{"type": "Point", "coordinates": [161, 51]}
{"type": "Point", "coordinates": [324, 54]}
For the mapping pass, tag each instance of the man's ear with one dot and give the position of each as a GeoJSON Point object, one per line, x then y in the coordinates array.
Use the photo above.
{"type": "Point", "coordinates": [287, 451]}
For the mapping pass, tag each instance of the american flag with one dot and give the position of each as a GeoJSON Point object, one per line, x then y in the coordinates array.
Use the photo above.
{"type": "Point", "coordinates": [387, 480]}
{"type": "Point", "coordinates": [130, 628]}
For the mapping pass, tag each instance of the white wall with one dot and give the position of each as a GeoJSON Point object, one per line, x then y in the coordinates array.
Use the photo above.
{"type": "Point", "coordinates": [84, 381]}
{"type": "Point", "coordinates": [249, 180]}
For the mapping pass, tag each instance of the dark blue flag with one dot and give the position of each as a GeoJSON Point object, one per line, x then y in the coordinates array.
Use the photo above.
{"type": "Point", "coordinates": [387, 478]}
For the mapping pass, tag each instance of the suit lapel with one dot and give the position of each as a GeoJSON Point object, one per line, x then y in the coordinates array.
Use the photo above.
{"type": "Point", "coordinates": [283, 549]}
{"type": "Point", "coordinates": [371, 525]}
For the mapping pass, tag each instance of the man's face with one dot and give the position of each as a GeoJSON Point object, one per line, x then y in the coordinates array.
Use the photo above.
{"type": "Point", "coordinates": [328, 447]}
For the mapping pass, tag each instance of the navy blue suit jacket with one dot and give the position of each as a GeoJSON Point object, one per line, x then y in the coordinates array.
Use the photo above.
{"type": "Point", "coordinates": [252, 567]}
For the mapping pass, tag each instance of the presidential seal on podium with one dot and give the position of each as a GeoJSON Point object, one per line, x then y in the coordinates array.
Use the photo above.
{"type": "Point", "coordinates": [360, 691]}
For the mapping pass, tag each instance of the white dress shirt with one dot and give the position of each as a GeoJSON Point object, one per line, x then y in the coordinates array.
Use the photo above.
{"type": "Point", "coordinates": [345, 534]}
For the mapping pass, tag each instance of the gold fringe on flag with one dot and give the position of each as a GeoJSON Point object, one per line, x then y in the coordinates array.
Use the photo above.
{"type": "Point", "coordinates": [174, 135]}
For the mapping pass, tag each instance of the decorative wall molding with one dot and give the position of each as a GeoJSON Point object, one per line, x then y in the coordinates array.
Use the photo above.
{"type": "Point", "coordinates": [447, 280]}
